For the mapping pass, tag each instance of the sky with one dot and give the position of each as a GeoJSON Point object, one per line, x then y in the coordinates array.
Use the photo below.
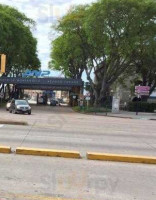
{"type": "Point", "coordinates": [45, 13]}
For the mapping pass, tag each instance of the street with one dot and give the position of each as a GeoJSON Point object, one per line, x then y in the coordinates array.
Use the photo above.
{"type": "Point", "coordinates": [61, 128]}
{"type": "Point", "coordinates": [47, 178]}
{"type": "Point", "coordinates": [84, 74]}
{"type": "Point", "coordinates": [41, 178]}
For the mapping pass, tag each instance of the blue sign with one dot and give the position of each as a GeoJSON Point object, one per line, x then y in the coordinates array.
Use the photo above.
{"type": "Point", "coordinates": [36, 73]}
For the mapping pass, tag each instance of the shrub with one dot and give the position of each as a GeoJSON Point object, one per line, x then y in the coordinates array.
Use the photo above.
{"type": "Point", "coordinates": [141, 106]}
{"type": "Point", "coordinates": [91, 109]}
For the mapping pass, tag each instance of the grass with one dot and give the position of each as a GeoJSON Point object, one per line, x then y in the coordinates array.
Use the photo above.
{"type": "Point", "coordinates": [91, 109]}
{"type": "Point", "coordinates": [2, 104]}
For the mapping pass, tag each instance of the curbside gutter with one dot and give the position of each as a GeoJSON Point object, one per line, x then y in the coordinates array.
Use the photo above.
{"type": "Point", "coordinates": [121, 158]}
{"type": "Point", "coordinates": [47, 152]}
{"type": "Point", "coordinates": [5, 149]}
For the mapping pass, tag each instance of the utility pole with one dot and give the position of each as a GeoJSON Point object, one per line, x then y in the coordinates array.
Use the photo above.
{"type": "Point", "coordinates": [2, 71]}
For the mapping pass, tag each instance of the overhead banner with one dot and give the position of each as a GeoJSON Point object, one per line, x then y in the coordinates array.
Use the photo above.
{"type": "Point", "coordinates": [42, 81]}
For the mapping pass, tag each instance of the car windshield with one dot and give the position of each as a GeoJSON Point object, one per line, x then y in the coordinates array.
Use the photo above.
{"type": "Point", "coordinates": [21, 102]}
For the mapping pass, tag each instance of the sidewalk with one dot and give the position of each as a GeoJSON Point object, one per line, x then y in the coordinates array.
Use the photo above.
{"type": "Point", "coordinates": [131, 115]}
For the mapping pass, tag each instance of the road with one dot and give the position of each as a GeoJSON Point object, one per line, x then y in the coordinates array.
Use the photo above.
{"type": "Point", "coordinates": [61, 128]}
{"type": "Point", "coordinates": [41, 178]}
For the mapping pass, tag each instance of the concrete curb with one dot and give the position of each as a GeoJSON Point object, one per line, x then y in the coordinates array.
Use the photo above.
{"type": "Point", "coordinates": [47, 152]}
{"type": "Point", "coordinates": [121, 158]}
{"type": "Point", "coordinates": [5, 149]}
{"type": "Point", "coordinates": [13, 123]}
{"type": "Point", "coordinates": [99, 115]}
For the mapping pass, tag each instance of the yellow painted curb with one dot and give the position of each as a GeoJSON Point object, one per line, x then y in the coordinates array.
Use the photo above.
{"type": "Point", "coordinates": [32, 197]}
{"type": "Point", "coordinates": [47, 152]}
{"type": "Point", "coordinates": [121, 158]}
{"type": "Point", "coordinates": [5, 149]}
{"type": "Point", "coordinates": [7, 122]}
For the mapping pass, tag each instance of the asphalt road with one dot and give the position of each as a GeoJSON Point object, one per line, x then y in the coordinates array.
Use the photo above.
{"type": "Point", "coordinates": [41, 178]}
{"type": "Point", "coordinates": [61, 128]}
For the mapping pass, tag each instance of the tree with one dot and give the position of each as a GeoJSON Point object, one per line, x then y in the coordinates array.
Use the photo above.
{"type": "Point", "coordinates": [109, 34]}
{"type": "Point", "coordinates": [67, 52]}
{"type": "Point", "coordinates": [112, 28]}
{"type": "Point", "coordinates": [145, 52]}
{"type": "Point", "coordinates": [67, 56]}
{"type": "Point", "coordinates": [17, 41]}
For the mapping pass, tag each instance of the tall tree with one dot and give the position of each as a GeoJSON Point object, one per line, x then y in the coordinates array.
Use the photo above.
{"type": "Point", "coordinates": [109, 34]}
{"type": "Point", "coordinates": [67, 56]}
{"type": "Point", "coordinates": [145, 51]}
{"type": "Point", "coordinates": [113, 29]}
{"type": "Point", "coordinates": [17, 41]}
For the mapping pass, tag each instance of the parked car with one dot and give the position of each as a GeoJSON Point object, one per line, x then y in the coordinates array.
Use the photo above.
{"type": "Point", "coordinates": [40, 100]}
{"type": "Point", "coordinates": [54, 102]}
{"type": "Point", "coordinates": [19, 106]}
{"type": "Point", "coordinates": [8, 105]}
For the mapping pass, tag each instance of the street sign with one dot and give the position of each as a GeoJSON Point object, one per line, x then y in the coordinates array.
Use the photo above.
{"type": "Point", "coordinates": [87, 98]}
{"type": "Point", "coordinates": [142, 90]}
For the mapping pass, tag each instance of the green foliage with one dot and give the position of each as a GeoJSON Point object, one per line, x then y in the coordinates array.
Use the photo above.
{"type": "Point", "coordinates": [141, 106]}
{"type": "Point", "coordinates": [17, 41]}
{"type": "Point", "coordinates": [67, 56]}
{"type": "Point", "coordinates": [108, 38]}
{"type": "Point", "coordinates": [91, 109]}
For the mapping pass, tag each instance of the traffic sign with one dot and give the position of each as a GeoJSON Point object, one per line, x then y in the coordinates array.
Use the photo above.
{"type": "Point", "coordinates": [87, 98]}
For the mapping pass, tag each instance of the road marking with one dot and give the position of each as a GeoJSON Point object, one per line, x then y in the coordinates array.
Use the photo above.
{"type": "Point", "coordinates": [1, 125]}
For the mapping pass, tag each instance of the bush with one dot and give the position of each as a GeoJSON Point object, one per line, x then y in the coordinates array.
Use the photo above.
{"type": "Point", "coordinates": [141, 106]}
{"type": "Point", "coordinates": [91, 109]}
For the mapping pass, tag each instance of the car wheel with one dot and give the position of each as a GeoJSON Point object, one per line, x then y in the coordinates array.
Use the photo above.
{"type": "Point", "coordinates": [14, 111]}
{"type": "Point", "coordinates": [29, 113]}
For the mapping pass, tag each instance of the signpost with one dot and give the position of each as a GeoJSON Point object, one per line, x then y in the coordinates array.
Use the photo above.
{"type": "Point", "coordinates": [141, 91]}
{"type": "Point", "coordinates": [87, 98]}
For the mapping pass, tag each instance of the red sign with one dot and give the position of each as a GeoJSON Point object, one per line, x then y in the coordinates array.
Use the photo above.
{"type": "Point", "coordinates": [142, 90]}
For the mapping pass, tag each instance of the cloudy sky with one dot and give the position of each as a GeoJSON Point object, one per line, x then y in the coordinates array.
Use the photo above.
{"type": "Point", "coordinates": [45, 13]}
